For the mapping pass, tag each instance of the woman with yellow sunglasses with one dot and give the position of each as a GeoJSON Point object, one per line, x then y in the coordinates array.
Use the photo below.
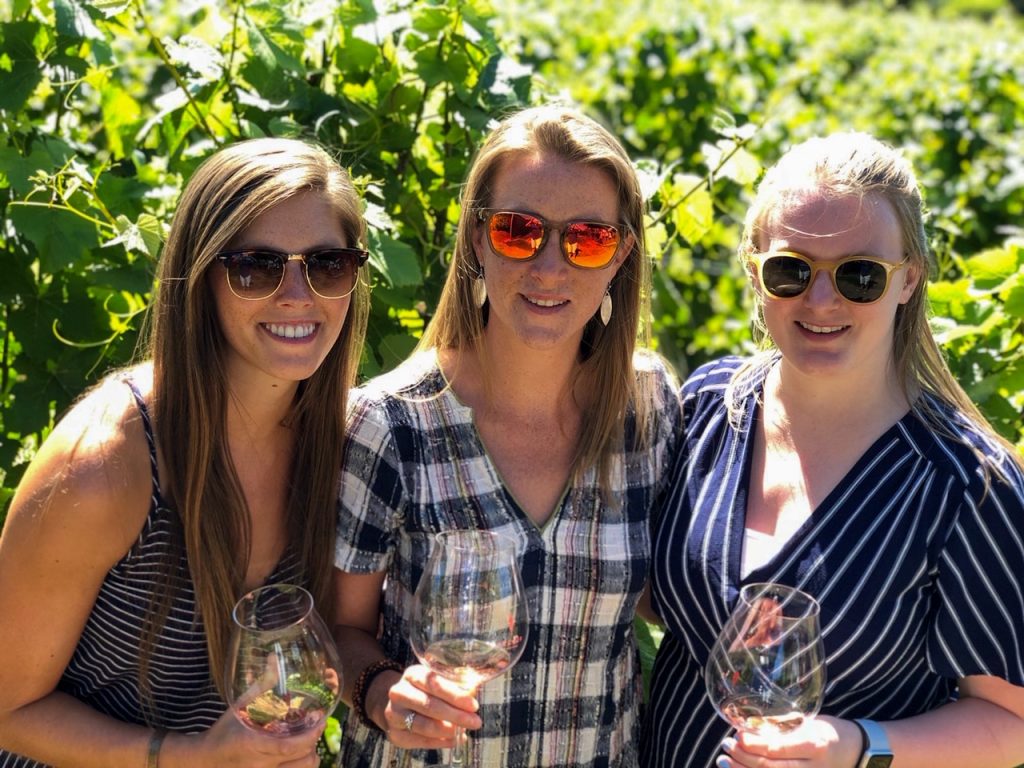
{"type": "Point", "coordinates": [846, 461]}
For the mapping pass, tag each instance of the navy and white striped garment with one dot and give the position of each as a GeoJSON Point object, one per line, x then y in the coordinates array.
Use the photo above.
{"type": "Point", "coordinates": [104, 669]}
{"type": "Point", "coordinates": [415, 466]}
{"type": "Point", "coordinates": [917, 565]}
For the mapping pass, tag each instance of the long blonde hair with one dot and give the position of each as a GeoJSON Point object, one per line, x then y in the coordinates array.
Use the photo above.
{"type": "Point", "coordinates": [606, 352]}
{"type": "Point", "coordinates": [227, 193]}
{"type": "Point", "coordinates": [855, 165]}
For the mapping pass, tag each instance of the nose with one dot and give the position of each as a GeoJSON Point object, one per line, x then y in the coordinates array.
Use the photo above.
{"type": "Point", "coordinates": [550, 259]}
{"type": "Point", "coordinates": [821, 291]}
{"type": "Point", "coordinates": [295, 289]}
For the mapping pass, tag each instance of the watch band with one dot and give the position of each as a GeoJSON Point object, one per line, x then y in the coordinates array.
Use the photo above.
{"type": "Point", "coordinates": [877, 752]}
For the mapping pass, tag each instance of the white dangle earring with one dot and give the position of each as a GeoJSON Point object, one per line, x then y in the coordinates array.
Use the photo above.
{"type": "Point", "coordinates": [606, 305]}
{"type": "Point", "coordinates": [480, 289]}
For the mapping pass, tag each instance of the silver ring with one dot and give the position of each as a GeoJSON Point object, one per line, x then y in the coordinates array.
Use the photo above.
{"type": "Point", "coordinates": [409, 720]}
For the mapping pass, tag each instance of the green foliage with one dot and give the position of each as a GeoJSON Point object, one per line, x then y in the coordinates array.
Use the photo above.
{"type": "Point", "coordinates": [704, 92]}
{"type": "Point", "coordinates": [108, 105]}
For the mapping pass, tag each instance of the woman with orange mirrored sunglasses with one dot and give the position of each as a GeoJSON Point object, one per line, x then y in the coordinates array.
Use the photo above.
{"type": "Point", "coordinates": [529, 409]}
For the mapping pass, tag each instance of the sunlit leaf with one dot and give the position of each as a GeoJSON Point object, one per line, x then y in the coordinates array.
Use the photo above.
{"type": "Point", "coordinates": [59, 236]}
{"type": "Point", "coordinates": [110, 8]}
{"type": "Point", "coordinates": [991, 268]}
{"type": "Point", "coordinates": [144, 235]}
{"type": "Point", "coordinates": [73, 21]}
{"type": "Point", "coordinates": [393, 260]}
{"type": "Point", "coordinates": [1014, 304]}
{"type": "Point", "coordinates": [430, 20]}
{"type": "Point", "coordinates": [197, 56]}
{"type": "Point", "coordinates": [19, 65]}
{"type": "Point", "coordinates": [693, 216]}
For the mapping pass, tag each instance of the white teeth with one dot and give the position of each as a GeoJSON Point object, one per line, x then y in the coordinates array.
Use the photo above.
{"type": "Point", "coordinates": [822, 328]}
{"type": "Point", "coordinates": [545, 302]}
{"type": "Point", "coordinates": [291, 331]}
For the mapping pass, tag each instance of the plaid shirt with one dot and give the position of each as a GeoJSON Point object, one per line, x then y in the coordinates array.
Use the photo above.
{"type": "Point", "coordinates": [573, 698]}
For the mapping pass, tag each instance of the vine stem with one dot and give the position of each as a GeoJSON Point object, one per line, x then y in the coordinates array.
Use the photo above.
{"type": "Point", "coordinates": [68, 208]}
{"type": "Point", "coordinates": [166, 59]}
{"type": "Point", "coordinates": [704, 181]}
{"type": "Point", "coordinates": [5, 370]}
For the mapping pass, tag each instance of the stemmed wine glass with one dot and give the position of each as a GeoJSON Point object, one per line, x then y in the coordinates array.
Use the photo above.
{"type": "Point", "coordinates": [469, 614]}
{"type": "Point", "coordinates": [766, 671]}
{"type": "Point", "coordinates": [283, 664]}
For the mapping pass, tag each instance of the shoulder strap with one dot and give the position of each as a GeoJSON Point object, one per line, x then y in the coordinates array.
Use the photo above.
{"type": "Point", "coordinates": [147, 427]}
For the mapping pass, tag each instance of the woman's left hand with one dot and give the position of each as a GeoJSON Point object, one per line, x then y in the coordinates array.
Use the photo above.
{"type": "Point", "coordinates": [821, 742]}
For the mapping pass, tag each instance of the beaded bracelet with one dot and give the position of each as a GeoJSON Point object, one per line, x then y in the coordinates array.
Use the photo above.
{"type": "Point", "coordinates": [156, 740]}
{"type": "Point", "coordinates": [363, 684]}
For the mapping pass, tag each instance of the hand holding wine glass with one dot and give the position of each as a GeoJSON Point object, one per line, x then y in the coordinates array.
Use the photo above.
{"type": "Point", "coordinates": [283, 665]}
{"type": "Point", "coordinates": [470, 618]}
{"type": "Point", "coordinates": [766, 671]}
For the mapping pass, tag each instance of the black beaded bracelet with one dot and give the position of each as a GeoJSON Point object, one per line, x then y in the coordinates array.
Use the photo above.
{"type": "Point", "coordinates": [363, 685]}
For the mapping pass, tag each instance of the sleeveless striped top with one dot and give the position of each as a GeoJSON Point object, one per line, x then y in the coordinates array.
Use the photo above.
{"type": "Point", "coordinates": [104, 670]}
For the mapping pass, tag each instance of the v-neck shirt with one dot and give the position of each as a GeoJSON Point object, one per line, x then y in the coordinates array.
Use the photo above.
{"type": "Point", "coordinates": [914, 557]}
{"type": "Point", "coordinates": [415, 465]}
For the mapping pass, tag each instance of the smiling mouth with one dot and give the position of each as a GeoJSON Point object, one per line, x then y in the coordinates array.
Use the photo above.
{"type": "Point", "coordinates": [822, 329]}
{"type": "Point", "coordinates": [300, 331]}
{"type": "Point", "coordinates": [546, 302]}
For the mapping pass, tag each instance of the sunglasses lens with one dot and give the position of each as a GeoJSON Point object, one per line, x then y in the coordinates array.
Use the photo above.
{"type": "Point", "coordinates": [332, 273]}
{"type": "Point", "coordinates": [515, 235]}
{"type": "Point", "coordinates": [590, 245]}
{"type": "Point", "coordinates": [861, 281]}
{"type": "Point", "coordinates": [785, 276]}
{"type": "Point", "coordinates": [254, 274]}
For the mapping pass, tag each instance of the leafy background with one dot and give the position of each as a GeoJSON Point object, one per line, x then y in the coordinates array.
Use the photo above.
{"type": "Point", "coordinates": [106, 106]}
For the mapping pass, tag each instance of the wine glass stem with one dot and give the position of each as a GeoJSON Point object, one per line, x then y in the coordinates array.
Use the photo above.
{"type": "Point", "coordinates": [460, 752]}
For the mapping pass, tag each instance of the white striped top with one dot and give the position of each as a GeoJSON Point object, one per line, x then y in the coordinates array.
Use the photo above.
{"type": "Point", "coordinates": [916, 563]}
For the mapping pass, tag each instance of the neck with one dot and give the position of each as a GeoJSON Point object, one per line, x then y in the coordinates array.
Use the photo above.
{"type": "Point", "coordinates": [259, 414]}
{"type": "Point", "coordinates": [533, 381]}
{"type": "Point", "coordinates": [825, 405]}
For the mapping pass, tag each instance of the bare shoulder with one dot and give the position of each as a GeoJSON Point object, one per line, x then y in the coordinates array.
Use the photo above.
{"type": "Point", "coordinates": [76, 513]}
{"type": "Point", "coordinates": [90, 480]}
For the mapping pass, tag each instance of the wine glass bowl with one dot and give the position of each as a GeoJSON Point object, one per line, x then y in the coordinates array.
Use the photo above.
{"type": "Point", "coordinates": [766, 670]}
{"type": "Point", "coordinates": [469, 616]}
{"type": "Point", "coordinates": [283, 665]}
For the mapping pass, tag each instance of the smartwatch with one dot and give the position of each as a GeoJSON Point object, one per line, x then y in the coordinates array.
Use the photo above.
{"type": "Point", "coordinates": [877, 752]}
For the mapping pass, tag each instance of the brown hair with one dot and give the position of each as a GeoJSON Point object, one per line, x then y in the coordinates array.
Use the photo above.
{"type": "Point", "coordinates": [227, 193]}
{"type": "Point", "coordinates": [606, 351]}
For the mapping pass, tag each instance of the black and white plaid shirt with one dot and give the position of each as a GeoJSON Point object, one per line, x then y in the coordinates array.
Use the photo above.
{"type": "Point", "coordinates": [573, 698]}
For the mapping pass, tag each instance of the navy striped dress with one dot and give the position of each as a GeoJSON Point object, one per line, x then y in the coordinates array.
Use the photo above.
{"type": "Point", "coordinates": [104, 669]}
{"type": "Point", "coordinates": [918, 567]}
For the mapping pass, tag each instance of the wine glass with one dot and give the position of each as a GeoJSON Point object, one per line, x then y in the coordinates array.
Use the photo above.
{"type": "Point", "coordinates": [283, 665]}
{"type": "Point", "coordinates": [766, 672]}
{"type": "Point", "coordinates": [469, 614]}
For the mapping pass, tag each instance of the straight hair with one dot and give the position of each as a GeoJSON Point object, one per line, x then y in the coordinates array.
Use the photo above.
{"type": "Point", "coordinates": [227, 193]}
{"type": "Point", "coordinates": [606, 352]}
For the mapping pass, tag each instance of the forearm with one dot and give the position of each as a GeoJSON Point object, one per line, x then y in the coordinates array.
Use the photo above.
{"type": "Point", "coordinates": [362, 650]}
{"type": "Point", "coordinates": [969, 733]}
{"type": "Point", "coordinates": [60, 730]}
